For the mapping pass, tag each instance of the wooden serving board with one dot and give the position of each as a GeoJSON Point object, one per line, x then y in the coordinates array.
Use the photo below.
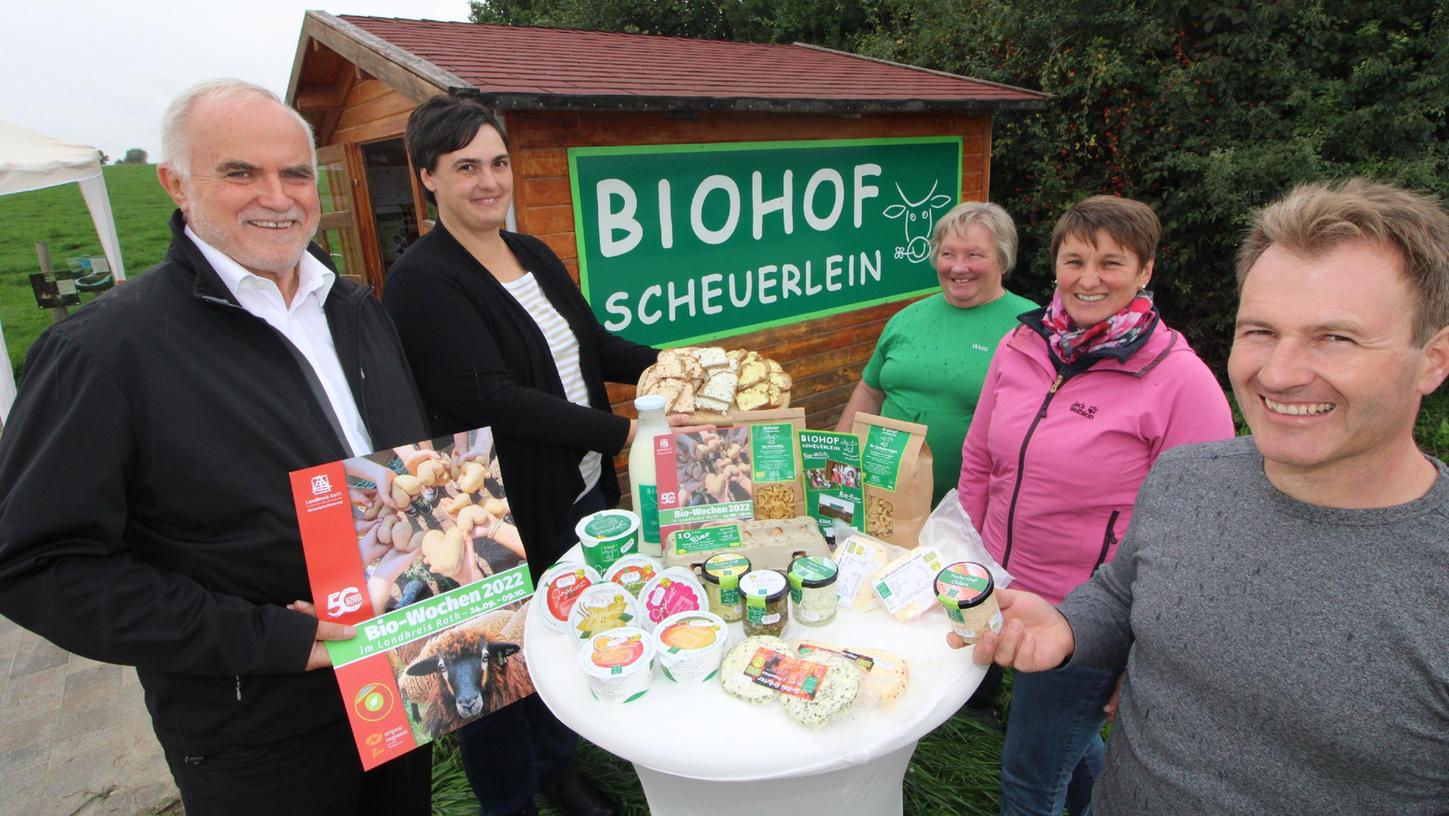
{"type": "Point", "coordinates": [716, 418]}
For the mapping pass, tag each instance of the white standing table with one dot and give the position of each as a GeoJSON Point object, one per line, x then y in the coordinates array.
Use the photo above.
{"type": "Point", "coordinates": [701, 752]}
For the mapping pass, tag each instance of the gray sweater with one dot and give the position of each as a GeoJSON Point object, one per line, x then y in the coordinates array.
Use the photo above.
{"type": "Point", "coordinates": [1281, 658]}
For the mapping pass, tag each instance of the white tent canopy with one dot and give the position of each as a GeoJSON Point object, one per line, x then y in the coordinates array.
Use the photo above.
{"type": "Point", "coordinates": [30, 161]}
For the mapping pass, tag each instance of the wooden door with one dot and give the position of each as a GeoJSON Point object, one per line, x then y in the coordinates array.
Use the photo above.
{"type": "Point", "coordinates": [337, 231]}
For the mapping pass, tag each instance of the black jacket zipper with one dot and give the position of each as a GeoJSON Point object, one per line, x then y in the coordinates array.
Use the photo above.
{"type": "Point", "coordinates": [1108, 539]}
{"type": "Point", "coordinates": [1021, 466]}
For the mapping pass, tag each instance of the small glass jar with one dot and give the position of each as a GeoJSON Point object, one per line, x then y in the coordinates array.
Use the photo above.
{"type": "Point", "coordinates": [721, 573]}
{"type": "Point", "coordinates": [967, 592]}
{"type": "Point", "coordinates": [812, 590]}
{"type": "Point", "coordinates": [764, 593]}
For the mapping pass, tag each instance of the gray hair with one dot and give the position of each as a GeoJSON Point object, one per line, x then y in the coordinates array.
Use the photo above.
{"type": "Point", "coordinates": [175, 144]}
{"type": "Point", "coordinates": [991, 216]}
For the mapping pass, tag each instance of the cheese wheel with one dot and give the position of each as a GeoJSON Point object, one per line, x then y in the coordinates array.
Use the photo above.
{"type": "Point", "coordinates": [732, 670]}
{"type": "Point", "coordinates": [835, 694]}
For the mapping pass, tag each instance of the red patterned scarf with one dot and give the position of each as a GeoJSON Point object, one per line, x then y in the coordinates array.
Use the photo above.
{"type": "Point", "coordinates": [1122, 329]}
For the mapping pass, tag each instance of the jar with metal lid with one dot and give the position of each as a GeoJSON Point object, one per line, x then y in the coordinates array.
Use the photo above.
{"type": "Point", "coordinates": [721, 573]}
{"type": "Point", "coordinates": [812, 590]}
{"type": "Point", "coordinates": [967, 592]}
{"type": "Point", "coordinates": [764, 594]}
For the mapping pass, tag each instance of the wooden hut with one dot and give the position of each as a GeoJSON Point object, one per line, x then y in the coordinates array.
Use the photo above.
{"type": "Point", "coordinates": [765, 196]}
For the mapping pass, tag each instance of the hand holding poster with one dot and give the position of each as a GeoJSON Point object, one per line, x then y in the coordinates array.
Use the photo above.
{"type": "Point", "coordinates": [415, 546]}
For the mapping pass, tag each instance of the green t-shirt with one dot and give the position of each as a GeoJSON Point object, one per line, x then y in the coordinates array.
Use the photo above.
{"type": "Point", "coordinates": [931, 363]}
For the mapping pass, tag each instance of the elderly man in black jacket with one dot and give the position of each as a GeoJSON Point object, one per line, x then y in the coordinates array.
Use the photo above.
{"type": "Point", "coordinates": [147, 517]}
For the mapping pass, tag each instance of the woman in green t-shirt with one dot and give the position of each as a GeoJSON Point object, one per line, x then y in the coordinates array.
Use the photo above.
{"type": "Point", "coordinates": [930, 362]}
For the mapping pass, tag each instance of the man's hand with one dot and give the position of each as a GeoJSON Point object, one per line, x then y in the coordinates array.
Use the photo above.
{"type": "Point", "coordinates": [326, 630]}
{"type": "Point", "coordinates": [1034, 637]}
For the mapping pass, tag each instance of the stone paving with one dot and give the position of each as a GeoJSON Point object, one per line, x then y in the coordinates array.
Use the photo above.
{"type": "Point", "coordinates": [76, 739]}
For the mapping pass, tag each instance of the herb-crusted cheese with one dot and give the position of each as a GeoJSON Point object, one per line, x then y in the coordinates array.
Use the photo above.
{"type": "Point", "coordinates": [732, 670]}
{"type": "Point", "coordinates": [836, 692]}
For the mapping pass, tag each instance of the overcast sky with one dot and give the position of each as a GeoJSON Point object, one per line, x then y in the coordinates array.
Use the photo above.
{"type": "Point", "coordinates": [100, 72]}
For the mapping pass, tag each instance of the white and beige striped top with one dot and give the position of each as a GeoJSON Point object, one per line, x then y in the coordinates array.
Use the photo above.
{"type": "Point", "coordinates": [565, 349]}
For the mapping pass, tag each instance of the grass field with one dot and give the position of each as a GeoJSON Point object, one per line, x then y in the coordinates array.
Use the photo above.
{"type": "Point", "coordinates": [58, 216]}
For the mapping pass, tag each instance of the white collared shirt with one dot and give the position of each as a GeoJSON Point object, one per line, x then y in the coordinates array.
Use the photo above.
{"type": "Point", "coordinates": [303, 323]}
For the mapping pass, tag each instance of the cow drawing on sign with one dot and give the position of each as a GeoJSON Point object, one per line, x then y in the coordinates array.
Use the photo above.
{"type": "Point", "coordinates": [918, 219]}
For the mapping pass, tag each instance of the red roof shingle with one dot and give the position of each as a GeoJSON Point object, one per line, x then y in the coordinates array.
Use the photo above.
{"type": "Point", "coordinates": [505, 61]}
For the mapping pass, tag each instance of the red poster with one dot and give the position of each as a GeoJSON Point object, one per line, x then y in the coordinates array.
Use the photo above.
{"type": "Point", "coordinates": [416, 547]}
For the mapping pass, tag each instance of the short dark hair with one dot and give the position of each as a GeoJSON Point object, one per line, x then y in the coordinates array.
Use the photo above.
{"type": "Point", "coordinates": [1131, 224]}
{"type": "Point", "coordinates": [442, 124]}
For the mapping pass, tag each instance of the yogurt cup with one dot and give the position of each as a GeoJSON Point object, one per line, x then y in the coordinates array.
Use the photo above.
{"type": "Point", "coordinates": [672, 591]}
{"type": "Point", "coordinates": [602, 607]}
{"type": "Point", "coordinates": [632, 572]}
{"type": "Point", "coordinates": [559, 588]}
{"type": "Point", "coordinates": [690, 645]}
{"type": "Point", "coordinates": [967, 592]}
{"type": "Point", "coordinates": [619, 664]}
{"type": "Point", "coordinates": [607, 536]}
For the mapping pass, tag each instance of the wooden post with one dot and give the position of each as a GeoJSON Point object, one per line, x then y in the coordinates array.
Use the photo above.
{"type": "Point", "coordinates": [42, 251]}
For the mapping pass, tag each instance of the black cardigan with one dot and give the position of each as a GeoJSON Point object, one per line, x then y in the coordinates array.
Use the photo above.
{"type": "Point", "coordinates": [480, 359]}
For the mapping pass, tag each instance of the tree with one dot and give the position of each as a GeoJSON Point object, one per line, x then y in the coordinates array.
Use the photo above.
{"type": "Point", "coordinates": [105, 159]}
{"type": "Point", "coordinates": [1205, 109]}
{"type": "Point", "coordinates": [134, 155]}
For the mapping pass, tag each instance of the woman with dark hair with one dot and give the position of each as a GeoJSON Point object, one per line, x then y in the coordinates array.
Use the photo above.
{"type": "Point", "coordinates": [498, 334]}
{"type": "Point", "coordinates": [1078, 403]}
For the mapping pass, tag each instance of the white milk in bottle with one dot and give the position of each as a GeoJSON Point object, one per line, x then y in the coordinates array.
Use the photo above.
{"type": "Point", "coordinates": [643, 483]}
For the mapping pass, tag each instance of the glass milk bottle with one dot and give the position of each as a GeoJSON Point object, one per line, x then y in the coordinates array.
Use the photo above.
{"type": "Point", "coordinates": [643, 483]}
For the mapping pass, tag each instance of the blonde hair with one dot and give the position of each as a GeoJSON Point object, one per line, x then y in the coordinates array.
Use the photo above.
{"type": "Point", "coordinates": [991, 216]}
{"type": "Point", "coordinates": [1314, 219]}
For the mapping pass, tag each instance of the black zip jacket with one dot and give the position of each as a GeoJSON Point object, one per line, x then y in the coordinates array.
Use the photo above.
{"type": "Point", "coordinates": [148, 519]}
{"type": "Point", "coordinates": [480, 359]}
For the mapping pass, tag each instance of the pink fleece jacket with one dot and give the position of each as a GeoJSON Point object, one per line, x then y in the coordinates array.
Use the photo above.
{"type": "Point", "coordinates": [1048, 479]}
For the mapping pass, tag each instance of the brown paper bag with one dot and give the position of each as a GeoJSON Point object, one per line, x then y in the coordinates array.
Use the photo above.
{"type": "Point", "coordinates": [896, 472]}
{"type": "Point", "coordinates": [778, 475]}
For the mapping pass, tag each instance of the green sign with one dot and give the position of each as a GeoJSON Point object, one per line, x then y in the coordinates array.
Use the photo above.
{"type": "Point", "coordinates": [686, 243]}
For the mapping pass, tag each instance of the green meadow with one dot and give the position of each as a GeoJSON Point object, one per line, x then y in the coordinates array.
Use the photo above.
{"type": "Point", "coordinates": [58, 216]}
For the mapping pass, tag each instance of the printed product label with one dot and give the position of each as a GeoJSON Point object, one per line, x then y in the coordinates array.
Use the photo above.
{"type": "Point", "coordinates": [909, 580]}
{"type": "Point", "coordinates": [689, 634]}
{"type": "Point", "coordinates": [864, 662]}
{"type": "Point", "coordinates": [670, 597]}
{"type": "Point", "coordinates": [648, 511]}
{"type": "Point", "coordinates": [563, 590]}
{"type": "Point", "coordinates": [832, 477]}
{"type": "Point", "coordinates": [962, 581]}
{"type": "Point", "coordinates": [728, 568]}
{"type": "Point", "coordinates": [608, 525]}
{"type": "Point", "coordinates": [707, 538]}
{"type": "Point", "coordinates": [616, 653]}
{"type": "Point", "coordinates": [773, 449]}
{"type": "Point", "coordinates": [881, 459]}
{"type": "Point", "coordinates": [785, 674]}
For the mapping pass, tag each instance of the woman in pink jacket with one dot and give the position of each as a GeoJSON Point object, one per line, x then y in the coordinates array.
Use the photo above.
{"type": "Point", "coordinates": [1079, 402]}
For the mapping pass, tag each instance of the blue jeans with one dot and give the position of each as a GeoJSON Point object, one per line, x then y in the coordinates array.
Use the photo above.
{"type": "Point", "coordinates": [508, 752]}
{"type": "Point", "coordinates": [1054, 747]}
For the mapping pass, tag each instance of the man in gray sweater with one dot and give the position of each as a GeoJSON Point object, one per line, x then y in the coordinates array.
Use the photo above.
{"type": "Point", "coordinates": [1281, 602]}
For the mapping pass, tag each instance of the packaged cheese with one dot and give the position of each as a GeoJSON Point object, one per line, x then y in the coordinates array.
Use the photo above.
{"type": "Point", "coordinates": [906, 587]}
{"type": "Point", "coordinates": [896, 469]}
{"type": "Point", "coordinates": [858, 558]}
{"type": "Point", "coordinates": [886, 675]}
{"type": "Point", "coordinates": [834, 693]}
{"type": "Point", "coordinates": [744, 663]}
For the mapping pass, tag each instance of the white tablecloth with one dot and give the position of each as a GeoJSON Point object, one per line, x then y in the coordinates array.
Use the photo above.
{"type": "Point", "coordinates": [680, 733]}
